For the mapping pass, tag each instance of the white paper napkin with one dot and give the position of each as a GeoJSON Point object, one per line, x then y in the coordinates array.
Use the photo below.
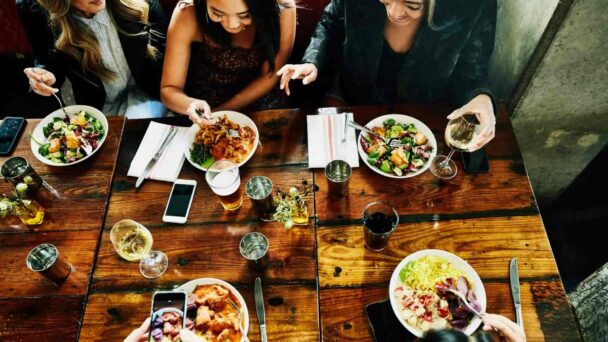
{"type": "Point", "coordinates": [170, 163]}
{"type": "Point", "coordinates": [325, 134]}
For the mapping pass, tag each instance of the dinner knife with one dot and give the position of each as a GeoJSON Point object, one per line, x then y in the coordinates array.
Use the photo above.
{"type": "Point", "coordinates": [259, 308]}
{"type": "Point", "coordinates": [514, 278]}
{"type": "Point", "coordinates": [159, 152]}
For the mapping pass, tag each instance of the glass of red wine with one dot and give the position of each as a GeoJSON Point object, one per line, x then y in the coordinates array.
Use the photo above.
{"type": "Point", "coordinates": [379, 221]}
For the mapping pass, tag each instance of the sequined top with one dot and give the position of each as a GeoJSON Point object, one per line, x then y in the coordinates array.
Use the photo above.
{"type": "Point", "coordinates": [217, 73]}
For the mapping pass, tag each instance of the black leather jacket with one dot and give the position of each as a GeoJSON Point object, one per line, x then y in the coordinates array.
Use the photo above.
{"type": "Point", "coordinates": [88, 88]}
{"type": "Point", "coordinates": [445, 63]}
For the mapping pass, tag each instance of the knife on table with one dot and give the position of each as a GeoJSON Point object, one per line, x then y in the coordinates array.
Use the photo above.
{"type": "Point", "coordinates": [259, 308]}
{"type": "Point", "coordinates": [159, 152]}
{"type": "Point", "coordinates": [514, 278]}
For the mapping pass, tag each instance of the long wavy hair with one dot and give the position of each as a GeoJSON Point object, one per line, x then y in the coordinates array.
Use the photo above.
{"type": "Point", "coordinates": [266, 18]}
{"type": "Point", "coordinates": [78, 41]}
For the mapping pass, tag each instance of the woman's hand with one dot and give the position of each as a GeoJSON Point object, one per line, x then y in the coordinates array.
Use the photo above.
{"type": "Point", "coordinates": [506, 329]}
{"type": "Point", "coordinates": [140, 334]}
{"type": "Point", "coordinates": [41, 81]}
{"type": "Point", "coordinates": [307, 72]}
{"type": "Point", "coordinates": [198, 107]}
{"type": "Point", "coordinates": [482, 107]}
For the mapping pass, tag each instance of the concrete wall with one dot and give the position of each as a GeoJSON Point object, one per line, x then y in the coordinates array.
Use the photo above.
{"type": "Point", "coordinates": [519, 27]}
{"type": "Point", "coordinates": [561, 120]}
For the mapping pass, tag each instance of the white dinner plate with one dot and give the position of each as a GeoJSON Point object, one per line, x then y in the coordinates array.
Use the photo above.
{"type": "Point", "coordinates": [192, 284]}
{"type": "Point", "coordinates": [39, 135]}
{"type": "Point", "coordinates": [459, 264]}
{"type": "Point", "coordinates": [236, 117]}
{"type": "Point", "coordinates": [403, 119]}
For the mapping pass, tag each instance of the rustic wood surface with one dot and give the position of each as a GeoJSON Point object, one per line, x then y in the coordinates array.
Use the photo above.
{"type": "Point", "coordinates": [320, 277]}
{"type": "Point", "coordinates": [40, 318]}
{"type": "Point", "coordinates": [291, 313]}
{"type": "Point", "coordinates": [196, 251]}
{"type": "Point", "coordinates": [546, 314]}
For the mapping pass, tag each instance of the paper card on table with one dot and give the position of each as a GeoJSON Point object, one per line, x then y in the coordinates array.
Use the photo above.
{"type": "Point", "coordinates": [325, 135]}
{"type": "Point", "coordinates": [170, 163]}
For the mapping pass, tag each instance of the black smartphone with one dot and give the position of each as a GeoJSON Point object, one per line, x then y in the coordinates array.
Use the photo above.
{"type": "Point", "coordinates": [475, 162]}
{"type": "Point", "coordinates": [385, 326]}
{"type": "Point", "coordinates": [10, 129]}
{"type": "Point", "coordinates": [167, 307]}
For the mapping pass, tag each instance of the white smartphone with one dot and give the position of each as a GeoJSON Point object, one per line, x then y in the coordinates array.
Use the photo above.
{"type": "Point", "coordinates": [180, 201]}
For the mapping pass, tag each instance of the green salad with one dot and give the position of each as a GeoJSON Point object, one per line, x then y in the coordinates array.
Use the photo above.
{"type": "Point", "coordinates": [71, 138]}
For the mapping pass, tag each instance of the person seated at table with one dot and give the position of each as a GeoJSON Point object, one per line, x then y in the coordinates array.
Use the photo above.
{"type": "Point", "coordinates": [496, 328]}
{"type": "Point", "coordinates": [223, 54]}
{"type": "Point", "coordinates": [395, 51]}
{"type": "Point", "coordinates": [111, 54]}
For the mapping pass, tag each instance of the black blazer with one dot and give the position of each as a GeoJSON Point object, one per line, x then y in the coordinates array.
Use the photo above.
{"type": "Point", "coordinates": [88, 88]}
{"type": "Point", "coordinates": [446, 63]}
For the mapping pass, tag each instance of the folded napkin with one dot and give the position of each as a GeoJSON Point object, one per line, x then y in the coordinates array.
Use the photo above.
{"type": "Point", "coordinates": [170, 163]}
{"type": "Point", "coordinates": [325, 134]}
{"type": "Point", "coordinates": [385, 325]}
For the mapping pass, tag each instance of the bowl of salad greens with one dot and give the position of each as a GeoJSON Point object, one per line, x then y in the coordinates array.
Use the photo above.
{"type": "Point", "coordinates": [60, 140]}
{"type": "Point", "coordinates": [402, 147]}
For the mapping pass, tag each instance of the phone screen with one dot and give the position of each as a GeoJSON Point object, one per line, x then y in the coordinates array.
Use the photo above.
{"type": "Point", "coordinates": [180, 199]}
{"type": "Point", "coordinates": [167, 315]}
{"type": "Point", "coordinates": [8, 130]}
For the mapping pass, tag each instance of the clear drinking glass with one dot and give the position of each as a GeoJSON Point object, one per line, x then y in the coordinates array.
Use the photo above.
{"type": "Point", "coordinates": [225, 181]}
{"type": "Point", "coordinates": [133, 242]}
{"type": "Point", "coordinates": [458, 136]}
{"type": "Point", "coordinates": [379, 221]}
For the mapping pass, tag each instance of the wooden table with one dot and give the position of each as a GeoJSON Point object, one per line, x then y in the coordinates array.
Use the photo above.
{"type": "Point", "coordinates": [320, 277]}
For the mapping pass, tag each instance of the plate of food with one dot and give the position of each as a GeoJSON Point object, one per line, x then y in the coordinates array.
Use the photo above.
{"type": "Point", "coordinates": [166, 324]}
{"type": "Point", "coordinates": [419, 295]}
{"type": "Point", "coordinates": [234, 137]}
{"type": "Point", "coordinates": [59, 140]}
{"type": "Point", "coordinates": [402, 148]}
{"type": "Point", "coordinates": [217, 309]}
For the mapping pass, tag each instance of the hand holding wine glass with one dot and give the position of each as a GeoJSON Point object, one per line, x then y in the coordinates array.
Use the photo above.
{"type": "Point", "coordinates": [461, 134]}
{"type": "Point", "coordinates": [480, 106]}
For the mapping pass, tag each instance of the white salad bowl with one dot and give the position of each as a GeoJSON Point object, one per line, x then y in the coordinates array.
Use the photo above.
{"type": "Point", "coordinates": [192, 284]}
{"type": "Point", "coordinates": [459, 264]}
{"type": "Point", "coordinates": [39, 135]}
{"type": "Point", "coordinates": [403, 119]}
{"type": "Point", "coordinates": [236, 117]}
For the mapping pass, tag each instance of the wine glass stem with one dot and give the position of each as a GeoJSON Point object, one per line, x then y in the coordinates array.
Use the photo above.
{"type": "Point", "coordinates": [447, 160]}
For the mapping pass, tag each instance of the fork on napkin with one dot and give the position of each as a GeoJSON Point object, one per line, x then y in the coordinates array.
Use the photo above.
{"type": "Point", "coordinates": [329, 138]}
{"type": "Point", "coordinates": [170, 163]}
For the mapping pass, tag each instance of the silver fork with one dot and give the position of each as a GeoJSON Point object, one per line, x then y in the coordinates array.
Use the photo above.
{"type": "Point", "coordinates": [466, 303]}
{"type": "Point", "coordinates": [238, 309]}
{"type": "Point", "coordinates": [61, 105]}
{"type": "Point", "coordinates": [231, 132]}
{"type": "Point", "coordinates": [393, 143]}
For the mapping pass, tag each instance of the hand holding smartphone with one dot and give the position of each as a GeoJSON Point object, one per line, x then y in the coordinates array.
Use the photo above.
{"type": "Point", "coordinates": [180, 201]}
{"type": "Point", "coordinates": [168, 315]}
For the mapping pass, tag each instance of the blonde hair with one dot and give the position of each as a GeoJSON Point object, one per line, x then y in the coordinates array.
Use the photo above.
{"type": "Point", "coordinates": [78, 41]}
{"type": "Point", "coordinates": [430, 12]}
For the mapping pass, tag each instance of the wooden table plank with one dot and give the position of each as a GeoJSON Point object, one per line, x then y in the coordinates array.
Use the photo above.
{"type": "Point", "coordinates": [291, 314]}
{"type": "Point", "coordinates": [40, 319]}
{"type": "Point", "coordinates": [487, 244]}
{"type": "Point", "coordinates": [195, 251]}
{"type": "Point", "coordinates": [502, 191]}
{"type": "Point", "coordinates": [343, 315]}
{"type": "Point", "coordinates": [78, 247]}
{"type": "Point", "coordinates": [146, 204]}
{"type": "Point", "coordinates": [84, 188]}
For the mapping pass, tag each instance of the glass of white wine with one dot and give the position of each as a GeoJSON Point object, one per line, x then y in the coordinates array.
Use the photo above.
{"type": "Point", "coordinates": [133, 242]}
{"type": "Point", "coordinates": [459, 134]}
